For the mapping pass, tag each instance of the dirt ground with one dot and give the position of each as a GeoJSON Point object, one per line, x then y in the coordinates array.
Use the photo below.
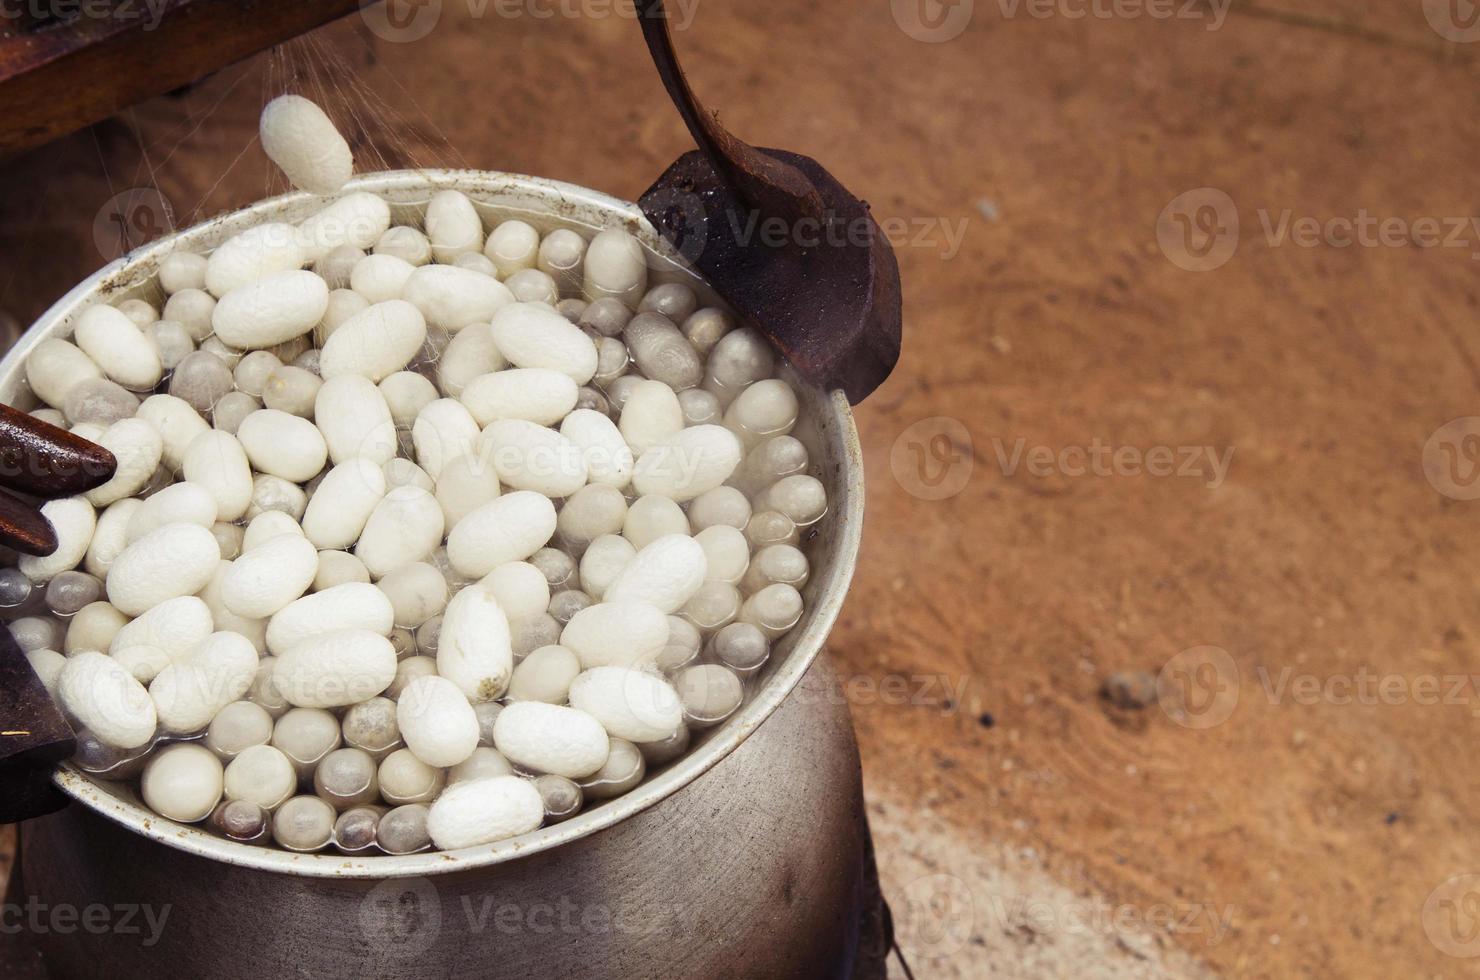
{"type": "Point", "coordinates": [1189, 299]}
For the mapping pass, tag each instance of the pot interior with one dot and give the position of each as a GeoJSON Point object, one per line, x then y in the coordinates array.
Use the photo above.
{"type": "Point", "coordinates": [826, 428]}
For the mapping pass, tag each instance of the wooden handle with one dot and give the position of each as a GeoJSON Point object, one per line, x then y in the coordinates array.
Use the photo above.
{"type": "Point", "coordinates": [34, 737]}
{"type": "Point", "coordinates": [41, 459]}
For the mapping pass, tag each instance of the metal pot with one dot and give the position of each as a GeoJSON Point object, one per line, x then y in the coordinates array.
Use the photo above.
{"type": "Point", "coordinates": [746, 858]}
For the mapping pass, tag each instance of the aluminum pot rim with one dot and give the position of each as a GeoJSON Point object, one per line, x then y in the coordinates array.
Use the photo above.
{"type": "Point", "coordinates": [567, 203]}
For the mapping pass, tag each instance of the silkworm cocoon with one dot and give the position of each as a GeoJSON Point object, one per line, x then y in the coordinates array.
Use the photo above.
{"type": "Point", "coordinates": [301, 139]}
{"type": "Point", "coordinates": [651, 415]}
{"type": "Point", "coordinates": [192, 309]}
{"type": "Point", "coordinates": [332, 670]}
{"type": "Point", "coordinates": [105, 699]}
{"type": "Point", "coordinates": [527, 456]}
{"type": "Point", "coordinates": [520, 589]}
{"type": "Point", "coordinates": [537, 395]}
{"type": "Point", "coordinates": [660, 351]}
{"type": "Point", "coordinates": [175, 560]}
{"type": "Point", "coordinates": [271, 575]}
{"type": "Point", "coordinates": [437, 721]}
{"type": "Point", "coordinates": [615, 266]}
{"type": "Point", "coordinates": [693, 461]}
{"type": "Point", "coordinates": [353, 605]}
{"type": "Point", "coordinates": [380, 278]}
{"type": "Point", "coordinates": [93, 628]}
{"type": "Point", "coordinates": [616, 634]}
{"type": "Point", "coordinates": [481, 811]}
{"type": "Point", "coordinates": [726, 553]}
{"type": "Point", "coordinates": [475, 649]}
{"type": "Point", "coordinates": [261, 774]}
{"type": "Point", "coordinates": [665, 574]}
{"type": "Point", "coordinates": [255, 630]}
{"type": "Point", "coordinates": [166, 634]}
{"type": "Point", "coordinates": [376, 342]}
{"type": "Point", "coordinates": [345, 498]}
{"type": "Point", "coordinates": [138, 449]}
{"type": "Point", "coordinates": [405, 526]}
{"type": "Point", "coordinates": [604, 560]}
{"type": "Point", "coordinates": [484, 763]}
{"type": "Point", "coordinates": [465, 484]}
{"type": "Point", "coordinates": [406, 393]}
{"type": "Point", "coordinates": [188, 694]}
{"type": "Point", "coordinates": [254, 254]}
{"type": "Point", "coordinates": [271, 310]}
{"type": "Point", "coordinates": [545, 675]}
{"type": "Point", "coordinates": [355, 420]}
{"type": "Point", "coordinates": [632, 704]}
{"type": "Point", "coordinates": [48, 666]}
{"type": "Point", "coordinates": [401, 472]}
{"type": "Point", "coordinates": [609, 459]}
{"type": "Point", "coordinates": [182, 270]}
{"type": "Point", "coordinates": [417, 592]}
{"type": "Point", "coordinates": [54, 366]}
{"type": "Point", "coordinates": [453, 226]}
{"type": "Point", "coordinates": [535, 336]}
{"type": "Point", "coordinates": [266, 526]}
{"type": "Point", "coordinates": [182, 782]}
{"type": "Point", "coordinates": [357, 219]}
{"type": "Point", "coordinates": [74, 520]}
{"type": "Point", "coordinates": [551, 739]}
{"type": "Point", "coordinates": [452, 298]}
{"type": "Point", "coordinates": [178, 503]}
{"type": "Point", "coordinates": [469, 355]}
{"type": "Point", "coordinates": [443, 431]}
{"type": "Point", "coordinates": [338, 568]}
{"type": "Point", "coordinates": [511, 528]}
{"type": "Point", "coordinates": [215, 460]}
{"type": "Point", "coordinates": [283, 445]}
{"type": "Point", "coordinates": [110, 536]}
{"type": "Point", "coordinates": [513, 246]}
{"type": "Point", "coordinates": [176, 421]}
{"type": "Point", "coordinates": [116, 345]}
{"type": "Point", "coordinates": [560, 257]}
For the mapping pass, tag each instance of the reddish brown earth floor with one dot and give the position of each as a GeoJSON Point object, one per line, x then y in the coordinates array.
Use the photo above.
{"type": "Point", "coordinates": [1305, 775]}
